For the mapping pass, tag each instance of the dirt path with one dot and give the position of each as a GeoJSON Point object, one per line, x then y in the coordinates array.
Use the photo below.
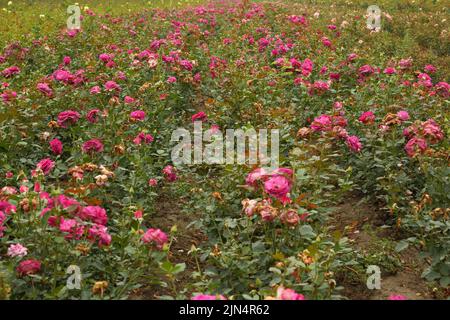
{"type": "Point", "coordinates": [364, 225]}
{"type": "Point", "coordinates": [168, 214]}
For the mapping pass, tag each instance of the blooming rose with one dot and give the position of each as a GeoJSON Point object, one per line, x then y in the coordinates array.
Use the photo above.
{"type": "Point", "coordinates": [56, 146]}
{"type": "Point", "coordinates": [155, 235]}
{"type": "Point", "coordinates": [255, 176]}
{"type": "Point", "coordinates": [415, 145]}
{"type": "Point", "coordinates": [92, 115]}
{"type": "Point", "coordinates": [137, 115]}
{"type": "Point", "coordinates": [28, 267]}
{"type": "Point", "coordinates": [100, 233]}
{"type": "Point", "coordinates": [44, 88]}
{"type": "Point", "coordinates": [95, 214]}
{"type": "Point", "coordinates": [112, 85]}
{"type": "Point", "coordinates": [46, 165]}
{"type": "Point", "coordinates": [353, 143]}
{"type": "Point", "coordinates": [169, 173]}
{"type": "Point", "coordinates": [93, 145]}
{"type": "Point", "coordinates": [403, 115]}
{"type": "Point", "coordinates": [288, 294]}
{"type": "Point", "coordinates": [17, 250]}
{"type": "Point", "coordinates": [367, 117]}
{"type": "Point", "coordinates": [68, 117]}
{"type": "Point", "coordinates": [278, 186]}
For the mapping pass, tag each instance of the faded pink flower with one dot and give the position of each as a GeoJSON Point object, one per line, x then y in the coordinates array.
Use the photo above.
{"type": "Point", "coordinates": [415, 145]}
{"type": "Point", "coordinates": [155, 236]}
{"type": "Point", "coordinates": [17, 250]}
{"type": "Point", "coordinates": [254, 176]}
{"type": "Point", "coordinates": [403, 115]}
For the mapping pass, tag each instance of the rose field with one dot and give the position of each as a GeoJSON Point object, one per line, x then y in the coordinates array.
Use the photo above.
{"type": "Point", "coordinates": [93, 204]}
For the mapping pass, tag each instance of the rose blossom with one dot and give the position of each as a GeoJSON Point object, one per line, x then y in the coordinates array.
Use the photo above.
{"type": "Point", "coordinates": [288, 294]}
{"type": "Point", "coordinates": [278, 186]}
{"type": "Point", "coordinates": [17, 250]}
{"type": "Point", "coordinates": [138, 115]}
{"type": "Point", "coordinates": [353, 143]}
{"type": "Point", "coordinates": [56, 146]}
{"type": "Point", "coordinates": [155, 235]}
{"type": "Point", "coordinates": [28, 267]}
{"type": "Point", "coordinates": [46, 165]}
{"type": "Point", "coordinates": [93, 145]}
{"type": "Point", "coordinates": [68, 117]}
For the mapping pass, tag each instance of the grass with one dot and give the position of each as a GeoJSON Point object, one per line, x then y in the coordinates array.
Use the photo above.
{"type": "Point", "coordinates": [24, 18]}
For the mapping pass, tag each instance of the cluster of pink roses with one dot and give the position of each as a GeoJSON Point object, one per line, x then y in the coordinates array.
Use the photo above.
{"type": "Point", "coordinates": [336, 124]}
{"type": "Point", "coordinates": [420, 135]}
{"type": "Point", "coordinates": [277, 183]}
{"type": "Point", "coordinates": [89, 221]}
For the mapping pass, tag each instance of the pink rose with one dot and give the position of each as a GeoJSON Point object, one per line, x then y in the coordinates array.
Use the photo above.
{"type": "Point", "coordinates": [28, 267]}
{"type": "Point", "coordinates": [68, 117]}
{"type": "Point", "coordinates": [200, 116]}
{"type": "Point", "coordinates": [92, 115]}
{"type": "Point", "coordinates": [278, 186]}
{"type": "Point", "coordinates": [403, 115]}
{"type": "Point", "coordinates": [169, 173]}
{"type": "Point", "coordinates": [367, 117]}
{"type": "Point", "coordinates": [254, 176]}
{"type": "Point", "coordinates": [156, 236]}
{"type": "Point", "coordinates": [95, 90]}
{"type": "Point", "coordinates": [95, 214]}
{"type": "Point", "coordinates": [45, 88]}
{"type": "Point", "coordinates": [112, 85]}
{"type": "Point", "coordinates": [353, 143]}
{"type": "Point", "coordinates": [138, 115]}
{"type": "Point", "coordinates": [288, 294]}
{"type": "Point", "coordinates": [415, 145]}
{"type": "Point", "coordinates": [56, 146]}
{"type": "Point", "coordinates": [93, 145]}
{"type": "Point", "coordinates": [46, 165]}
{"type": "Point", "coordinates": [17, 250]}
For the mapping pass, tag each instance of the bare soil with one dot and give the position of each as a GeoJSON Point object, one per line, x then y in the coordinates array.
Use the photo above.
{"type": "Point", "coordinates": [363, 224]}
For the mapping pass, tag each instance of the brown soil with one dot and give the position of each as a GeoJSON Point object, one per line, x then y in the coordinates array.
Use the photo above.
{"type": "Point", "coordinates": [353, 218]}
{"type": "Point", "coordinates": [168, 215]}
